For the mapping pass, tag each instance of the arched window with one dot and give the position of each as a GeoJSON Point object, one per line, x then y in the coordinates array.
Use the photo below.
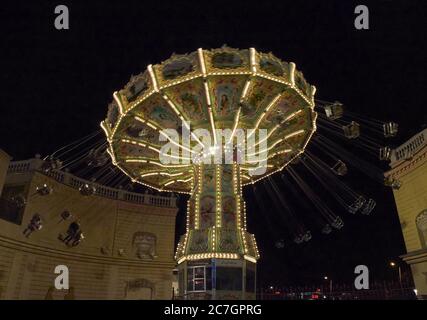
{"type": "Point", "coordinates": [421, 222]}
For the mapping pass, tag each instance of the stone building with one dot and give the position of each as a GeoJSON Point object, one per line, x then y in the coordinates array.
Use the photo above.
{"type": "Point", "coordinates": [125, 247]}
{"type": "Point", "coordinates": [409, 170]}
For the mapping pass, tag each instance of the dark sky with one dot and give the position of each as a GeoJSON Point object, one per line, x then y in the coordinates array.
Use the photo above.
{"type": "Point", "coordinates": [55, 87]}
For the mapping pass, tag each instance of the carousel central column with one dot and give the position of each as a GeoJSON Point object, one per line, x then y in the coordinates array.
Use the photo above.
{"type": "Point", "coordinates": [217, 256]}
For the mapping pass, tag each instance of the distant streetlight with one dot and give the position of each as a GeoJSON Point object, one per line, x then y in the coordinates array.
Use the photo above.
{"type": "Point", "coordinates": [393, 265]}
{"type": "Point", "coordinates": [330, 283]}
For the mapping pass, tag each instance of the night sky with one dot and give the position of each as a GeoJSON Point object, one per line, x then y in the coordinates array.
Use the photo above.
{"type": "Point", "coordinates": [56, 86]}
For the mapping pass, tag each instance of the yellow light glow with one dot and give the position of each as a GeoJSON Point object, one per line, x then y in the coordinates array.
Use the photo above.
{"type": "Point", "coordinates": [252, 54]}
{"type": "Point", "coordinates": [118, 101]}
{"type": "Point", "coordinates": [153, 77]}
{"type": "Point", "coordinates": [245, 90]}
{"type": "Point", "coordinates": [202, 61]}
{"type": "Point", "coordinates": [293, 115]}
{"type": "Point", "coordinates": [293, 134]}
{"type": "Point", "coordinates": [236, 122]}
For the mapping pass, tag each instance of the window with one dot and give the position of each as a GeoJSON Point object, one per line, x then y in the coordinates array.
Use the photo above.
{"type": "Point", "coordinates": [421, 222]}
{"type": "Point", "coordinates": [228, 278]}
{"type": "Point", "coordinates": [199, 278]}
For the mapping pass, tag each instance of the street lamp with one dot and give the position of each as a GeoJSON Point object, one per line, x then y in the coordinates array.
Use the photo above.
{"type": "Point", "coordinates": [393, 265]}
{"type": "Point", "coordinates": [330, 283]}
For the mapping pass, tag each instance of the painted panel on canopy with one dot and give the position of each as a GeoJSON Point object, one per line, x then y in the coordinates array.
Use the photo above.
{"type": "Point", "coordinates": [302, 120]}
{"type": "Point", "coordinates": [189, 98]}
{"type": "Point", "coordinates": [272, 66]}
{"type": "Point", "coordinates": [151, 166]}
{"type": "Point", "coordinates": [289, 102]}
{"type": "Point", "coordinates": [280, 159]}
{"type": "Point", "coordinates": [178, 186]}
{"type": "Point", "coordinates": [260, 93]}
{"type": "Point", "coordinates": [177, 67]}
{"type": "Point", "coordinates": [302, 84]}
{"type": "Point", "coordinates": [207, 211]}
{"type": "Point", "coordinates": [137, 87]}
{"type": "Point", "coordinates": [208, 180]}
{"type": "Point", "coordinates": [228, 241]}
{"type": "Point", "coordinates": [295, 144]}
{"type": "Point", "coordinates": [227, 180]}
{"type": "Point", "coordinates": [250, 247]}
{"type": "Point", "coordinates": [225, 93]}
{"type": "Point", "coordinates": [297, 141]}
{"type": "Point", "coordinates": [113, 114]}
{"type": "Point", "coordinates": [156, 110]}
{"type": "Point", "coordinates": [229, 213]}
{"type": "Point", "coordinates": [199, 241]}
{"type": "Point", "coordinates": [129, 150]}
{"type": "Point", "coordinates": [227, 59]}
{"type": "Point", "coordinates": [135, 169]}
{"type": "Point", "coordinates": [136, 130]}
{"type": "Point", "coordinates": [157, 180]}
{"type": "Point", "coordinates": [281, 147]}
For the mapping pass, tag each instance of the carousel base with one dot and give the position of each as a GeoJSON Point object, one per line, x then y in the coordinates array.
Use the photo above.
{"type": "Point", "coordinates": [217, 279]}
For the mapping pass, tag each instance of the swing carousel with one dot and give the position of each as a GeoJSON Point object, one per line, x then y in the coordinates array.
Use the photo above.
{"type": "Point", "coordinates": [220, 90]}
{"type": "Point", "coordinates": [207, 124]}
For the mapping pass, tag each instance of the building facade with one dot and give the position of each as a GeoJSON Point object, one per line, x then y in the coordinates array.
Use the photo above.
{"type": "Point", "coordinates": [409, 168]}
{"type": "Point", "coordinates": [4, 164]}
{"type": "Point", "coordinates": [124, 249]}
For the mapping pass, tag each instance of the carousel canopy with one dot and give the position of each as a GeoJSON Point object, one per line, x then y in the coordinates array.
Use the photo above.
{"type": "Point", "coordinates": [215, 89]}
